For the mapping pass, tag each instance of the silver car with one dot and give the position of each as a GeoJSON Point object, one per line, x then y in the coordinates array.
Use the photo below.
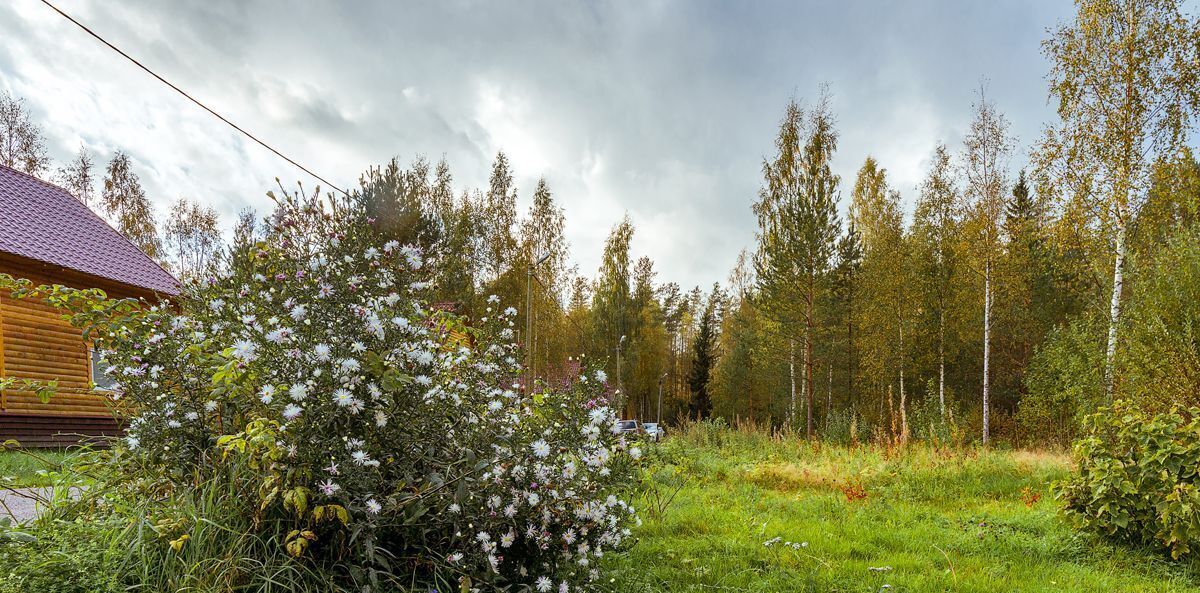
{"type": "Point", "coordinates": [654, 430]}
{"type": "Point", "coordinates": [628, 427]}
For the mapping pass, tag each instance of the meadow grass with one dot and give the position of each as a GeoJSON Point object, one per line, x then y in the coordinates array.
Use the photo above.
{"type": "Point", "coordinates": [23, 468]}
{"type": "Point", "coordinates": [916, 519]}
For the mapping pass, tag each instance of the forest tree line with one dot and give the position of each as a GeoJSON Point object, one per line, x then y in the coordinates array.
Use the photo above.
{"type": "Point", "coordinates": [1006, 304]}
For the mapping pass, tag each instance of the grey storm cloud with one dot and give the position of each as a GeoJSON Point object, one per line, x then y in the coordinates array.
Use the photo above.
{"type": "Point", "coordinates": [662, 109]}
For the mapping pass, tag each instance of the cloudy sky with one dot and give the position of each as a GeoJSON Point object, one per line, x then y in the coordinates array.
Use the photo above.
{"type": "Point", "coordinates": [663, 109]}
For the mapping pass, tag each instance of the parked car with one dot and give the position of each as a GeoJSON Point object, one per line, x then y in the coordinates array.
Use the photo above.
{"type": "Point", "coordinates": [629, 427]}
{"type": "Point", "coordinates": [654, 430]}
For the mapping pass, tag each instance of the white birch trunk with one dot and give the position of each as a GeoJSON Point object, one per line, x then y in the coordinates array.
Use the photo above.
{"type": "Point", "coordinates": [1114, 313]}
{"type": "Point", "coordinates": [829, 397]}
{"type": "Point", "coordinates": [987, 350]}
{"type": "Point", "coordinates": [942, 363]}
{"type": "Point", "coordinates": [903, 398]}
{"type": "Point", "coordinates": [805, 393]}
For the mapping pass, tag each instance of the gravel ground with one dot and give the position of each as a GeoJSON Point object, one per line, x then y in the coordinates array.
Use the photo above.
{"type": "Point", "coordinates": [21, 504]}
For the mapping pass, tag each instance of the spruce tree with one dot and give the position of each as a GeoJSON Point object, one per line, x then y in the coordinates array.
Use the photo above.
{"type": "Point", "coordinates": [700, 405]}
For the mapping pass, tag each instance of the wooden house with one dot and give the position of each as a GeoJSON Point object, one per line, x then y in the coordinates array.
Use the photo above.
{"type": "Point", "coordinates": [49, 237]}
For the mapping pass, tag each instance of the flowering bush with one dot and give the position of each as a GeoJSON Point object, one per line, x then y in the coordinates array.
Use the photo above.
{"type": "Point", "coordinates": [391, 442]}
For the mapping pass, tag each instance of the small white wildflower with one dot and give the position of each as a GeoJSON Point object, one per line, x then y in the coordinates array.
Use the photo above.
{"type": "Point", "coordinates": [343, 397]}
{"type": "Point", "coordinates": [373, 507]}
{"type": "Point", "coordinates": [244, 350]}
{"type": "Point", "coordinates": [322, 352]}
{"type": "Point", "coordinates": [291, 411]}
{"type": "Point", "coordinates": [328, 487]}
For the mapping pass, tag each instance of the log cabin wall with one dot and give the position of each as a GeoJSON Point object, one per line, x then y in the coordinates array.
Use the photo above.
{"type": "Point", "coordinates": [36, 343]}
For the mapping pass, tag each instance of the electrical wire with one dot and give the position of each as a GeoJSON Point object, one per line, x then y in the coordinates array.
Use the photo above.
{"type": "Point", "coordinates": [193, 99]}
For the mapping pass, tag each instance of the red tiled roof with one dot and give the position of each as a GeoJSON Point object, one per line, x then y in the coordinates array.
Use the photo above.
{"type": "Point", "coordinates": [44, 222]}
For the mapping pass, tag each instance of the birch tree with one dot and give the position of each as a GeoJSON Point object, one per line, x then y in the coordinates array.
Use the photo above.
{"type": "Point", "coordinates": [192, 239]}
{"type": "Point", "coordinates": [986, 151]}
{"type": "Point", "coordinates": [1126, 76]}
{"type": "Point", "coordinates": [125, 202]}
{"type": "Point", "coordinates": [936, 230]}
{"type": "Point", "coordinates": [876, 214]}
{"type": "Point", "coordinates": [22, 146]}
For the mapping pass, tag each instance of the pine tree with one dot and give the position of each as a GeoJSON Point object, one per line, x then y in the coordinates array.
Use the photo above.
{"type": "Point", "coordinates": [498, 216]}
{"type": "Point", "coordinates": [77, 178]}
{"type": "Point", "coordinates": [797, 213]}
{"type": "Point", "coordinates": [400, 202]}
{"type": "Point", "coordinates": [846, 292]}
{"type": "Point", "coordinates": [1028, 309]}
{"type": "Point", "coordinates": [542, 239]}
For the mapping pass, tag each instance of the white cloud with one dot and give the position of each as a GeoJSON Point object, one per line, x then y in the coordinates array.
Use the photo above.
{"type": "Point", "coordinates": [664, 110]}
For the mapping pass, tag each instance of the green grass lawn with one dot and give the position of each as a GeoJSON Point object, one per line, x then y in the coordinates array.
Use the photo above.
{"type": "Point", "coordinates": [28, 468]}
{"type": "Point", "coordinates": [930, 521]}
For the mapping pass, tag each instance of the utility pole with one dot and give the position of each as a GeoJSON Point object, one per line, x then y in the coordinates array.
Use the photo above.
{"type": "Point", "coordinates": [529, 324]}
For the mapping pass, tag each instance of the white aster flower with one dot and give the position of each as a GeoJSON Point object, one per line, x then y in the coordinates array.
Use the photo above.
{"type": "Point", "coordinates": [322, 352]}
{"type": "Point", "coordinates": [328, 487]}
{"type": "Point", "coordinates": [343, 397]}
{"type": "Point", "coordinates": [244, 350]}
{"type": "Point", "coordinates": [291, 411]}
{"type": "Point", "coordinates": [278, 335]}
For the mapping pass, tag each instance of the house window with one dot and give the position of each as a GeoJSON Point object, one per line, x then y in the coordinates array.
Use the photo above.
{"type": "Point", "coordinates": [100, 380]}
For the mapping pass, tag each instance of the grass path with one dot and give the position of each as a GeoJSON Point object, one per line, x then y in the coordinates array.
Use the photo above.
{"type": "Point", "coordinates": [930, 521]}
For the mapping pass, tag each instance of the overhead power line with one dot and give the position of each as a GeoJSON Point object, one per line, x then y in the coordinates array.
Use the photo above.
{"type": "Point", "coordinates": [193, 99]}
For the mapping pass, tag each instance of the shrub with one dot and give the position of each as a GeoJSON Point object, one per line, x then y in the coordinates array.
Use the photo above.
{"type": "Point", "coordinates": [1064, 382]}
{"type": "Point", "coordinates": [311, 412]}
{"type": "Point", "coordinates": [928, 423]}
{"type": "Point", "coordinates": [64, 558]}
{"type": "Point", "coordinates": [1159, 363]}
{"type": "Point", "coordinates": [1137, 479]}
